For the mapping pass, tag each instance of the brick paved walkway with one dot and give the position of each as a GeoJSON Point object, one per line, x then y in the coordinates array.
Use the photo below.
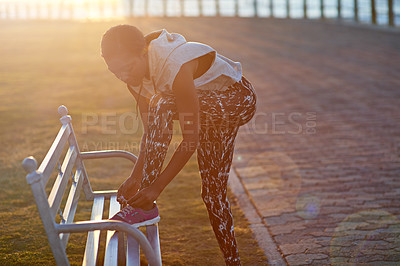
{"type": "Point", "coordinates": [320, 160]}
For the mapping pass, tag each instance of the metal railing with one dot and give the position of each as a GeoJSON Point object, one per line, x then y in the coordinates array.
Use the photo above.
{"type": "Point", "coordinates": [382, 12]}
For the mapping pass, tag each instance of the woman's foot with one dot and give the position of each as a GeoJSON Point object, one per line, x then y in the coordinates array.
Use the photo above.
{"type": "Point", "coordinates": [136, 216]}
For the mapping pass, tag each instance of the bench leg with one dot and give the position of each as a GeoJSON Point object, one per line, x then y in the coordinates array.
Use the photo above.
{"type": "Point", "coordinates": [111, 256]}
{"type": "Point", "coordinates": [133, 252]}
{"type": "Point", "coordinates": [153, 237]}
{"type": "Point", "coordinates": [121, 248]}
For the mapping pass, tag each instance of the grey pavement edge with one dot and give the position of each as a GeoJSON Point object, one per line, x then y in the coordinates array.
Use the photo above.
{"type": "Point", "coordinates": [259, 228]}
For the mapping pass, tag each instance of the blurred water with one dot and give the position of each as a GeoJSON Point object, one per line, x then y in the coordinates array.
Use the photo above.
{"type": "Point", "coordinates": [100, 9]}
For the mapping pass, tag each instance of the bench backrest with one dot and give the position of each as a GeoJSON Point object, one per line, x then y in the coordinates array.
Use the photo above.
{"type": "Point", "coordinates": [49, 205]}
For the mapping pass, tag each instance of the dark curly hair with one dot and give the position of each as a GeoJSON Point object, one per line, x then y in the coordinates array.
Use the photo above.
{"type": "Point", "coordinates": [122, 38]}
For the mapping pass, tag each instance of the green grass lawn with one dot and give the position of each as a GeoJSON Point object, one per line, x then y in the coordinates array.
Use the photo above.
{"type": "Point", "coordinates": [45, 64]}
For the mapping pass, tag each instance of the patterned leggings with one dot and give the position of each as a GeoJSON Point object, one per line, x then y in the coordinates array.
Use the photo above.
{"type": "Point", "coordinates": [221, 115]}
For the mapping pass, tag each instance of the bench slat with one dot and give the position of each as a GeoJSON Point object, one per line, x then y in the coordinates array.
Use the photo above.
{"type": "Point", "coordinates": [60, 184]}
{"type": "Point", "coordinates": [111, 256]}
{"type": "Point", "coordinates": [52, 156]}
{"type": "Point", "coordinates": [92, 243]}
{"type": "Point", "coordinates": [105, 193]}
{"type": "Point", "coordinates": [72, 203]}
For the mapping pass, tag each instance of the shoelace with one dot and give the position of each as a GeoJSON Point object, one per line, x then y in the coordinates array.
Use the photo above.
{"type": "Point", "coordinates": [125, 211]}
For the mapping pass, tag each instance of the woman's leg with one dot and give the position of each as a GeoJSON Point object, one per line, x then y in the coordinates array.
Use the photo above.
{"type": "Point", "coordinates": [160, 122]}
{"type": "Point", "coordinates": [221, 115]}
{"type": "Point", "coordinates": [214, 156]}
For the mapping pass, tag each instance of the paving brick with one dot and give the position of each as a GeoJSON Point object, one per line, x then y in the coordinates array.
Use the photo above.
{"type": "Point", "coordinates": [301, 247]}
{"type": "Point", "coordinates": [290, 238]}
{"type": "Point", "coordinates": [321, 262]}
{"type": "Point", "coordinates": [282, 219]}
{"type": "Point", "coordinates": [304, 259]}
{"type": "Point", "coordinates": [287, 228]}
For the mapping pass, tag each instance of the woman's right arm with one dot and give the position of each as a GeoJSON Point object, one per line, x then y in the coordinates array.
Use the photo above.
{"type": "Point", "coordinates": [132, 184]}
{"type": "Point", "coordinates": [143, 108]}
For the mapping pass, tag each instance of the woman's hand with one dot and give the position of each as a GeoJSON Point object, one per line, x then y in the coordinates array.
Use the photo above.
{"type": "Point", "coordinates": [144, 199]}
{"type": "Point", "coordinates": [127, 190]}
{"type": "Point", "coordinates": [132, 184]}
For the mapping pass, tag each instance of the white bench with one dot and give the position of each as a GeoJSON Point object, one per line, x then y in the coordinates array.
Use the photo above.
{"type": "Point", "coordinates": [49, 206]}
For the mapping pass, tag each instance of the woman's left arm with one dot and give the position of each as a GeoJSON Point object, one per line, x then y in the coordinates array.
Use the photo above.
{"type": "Point", "coordinates": [187, 104]}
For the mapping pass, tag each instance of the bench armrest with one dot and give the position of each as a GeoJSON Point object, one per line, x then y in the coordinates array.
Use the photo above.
{"type": "Point", "coordinates": [108, 154]}
{"type": "Point", "coordinates": [105, 193]}
{"type": "Point", "coordinates": [86, 226]}
{"type": "Point", "coordinates": [100, 155]}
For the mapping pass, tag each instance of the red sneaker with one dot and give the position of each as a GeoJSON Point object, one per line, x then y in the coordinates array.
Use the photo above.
{"type": "Point", "coordinates": [136, 216]}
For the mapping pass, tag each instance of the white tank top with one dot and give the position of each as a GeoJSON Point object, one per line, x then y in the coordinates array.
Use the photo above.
{"type": "Point", "coordinates": [169, 52]}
